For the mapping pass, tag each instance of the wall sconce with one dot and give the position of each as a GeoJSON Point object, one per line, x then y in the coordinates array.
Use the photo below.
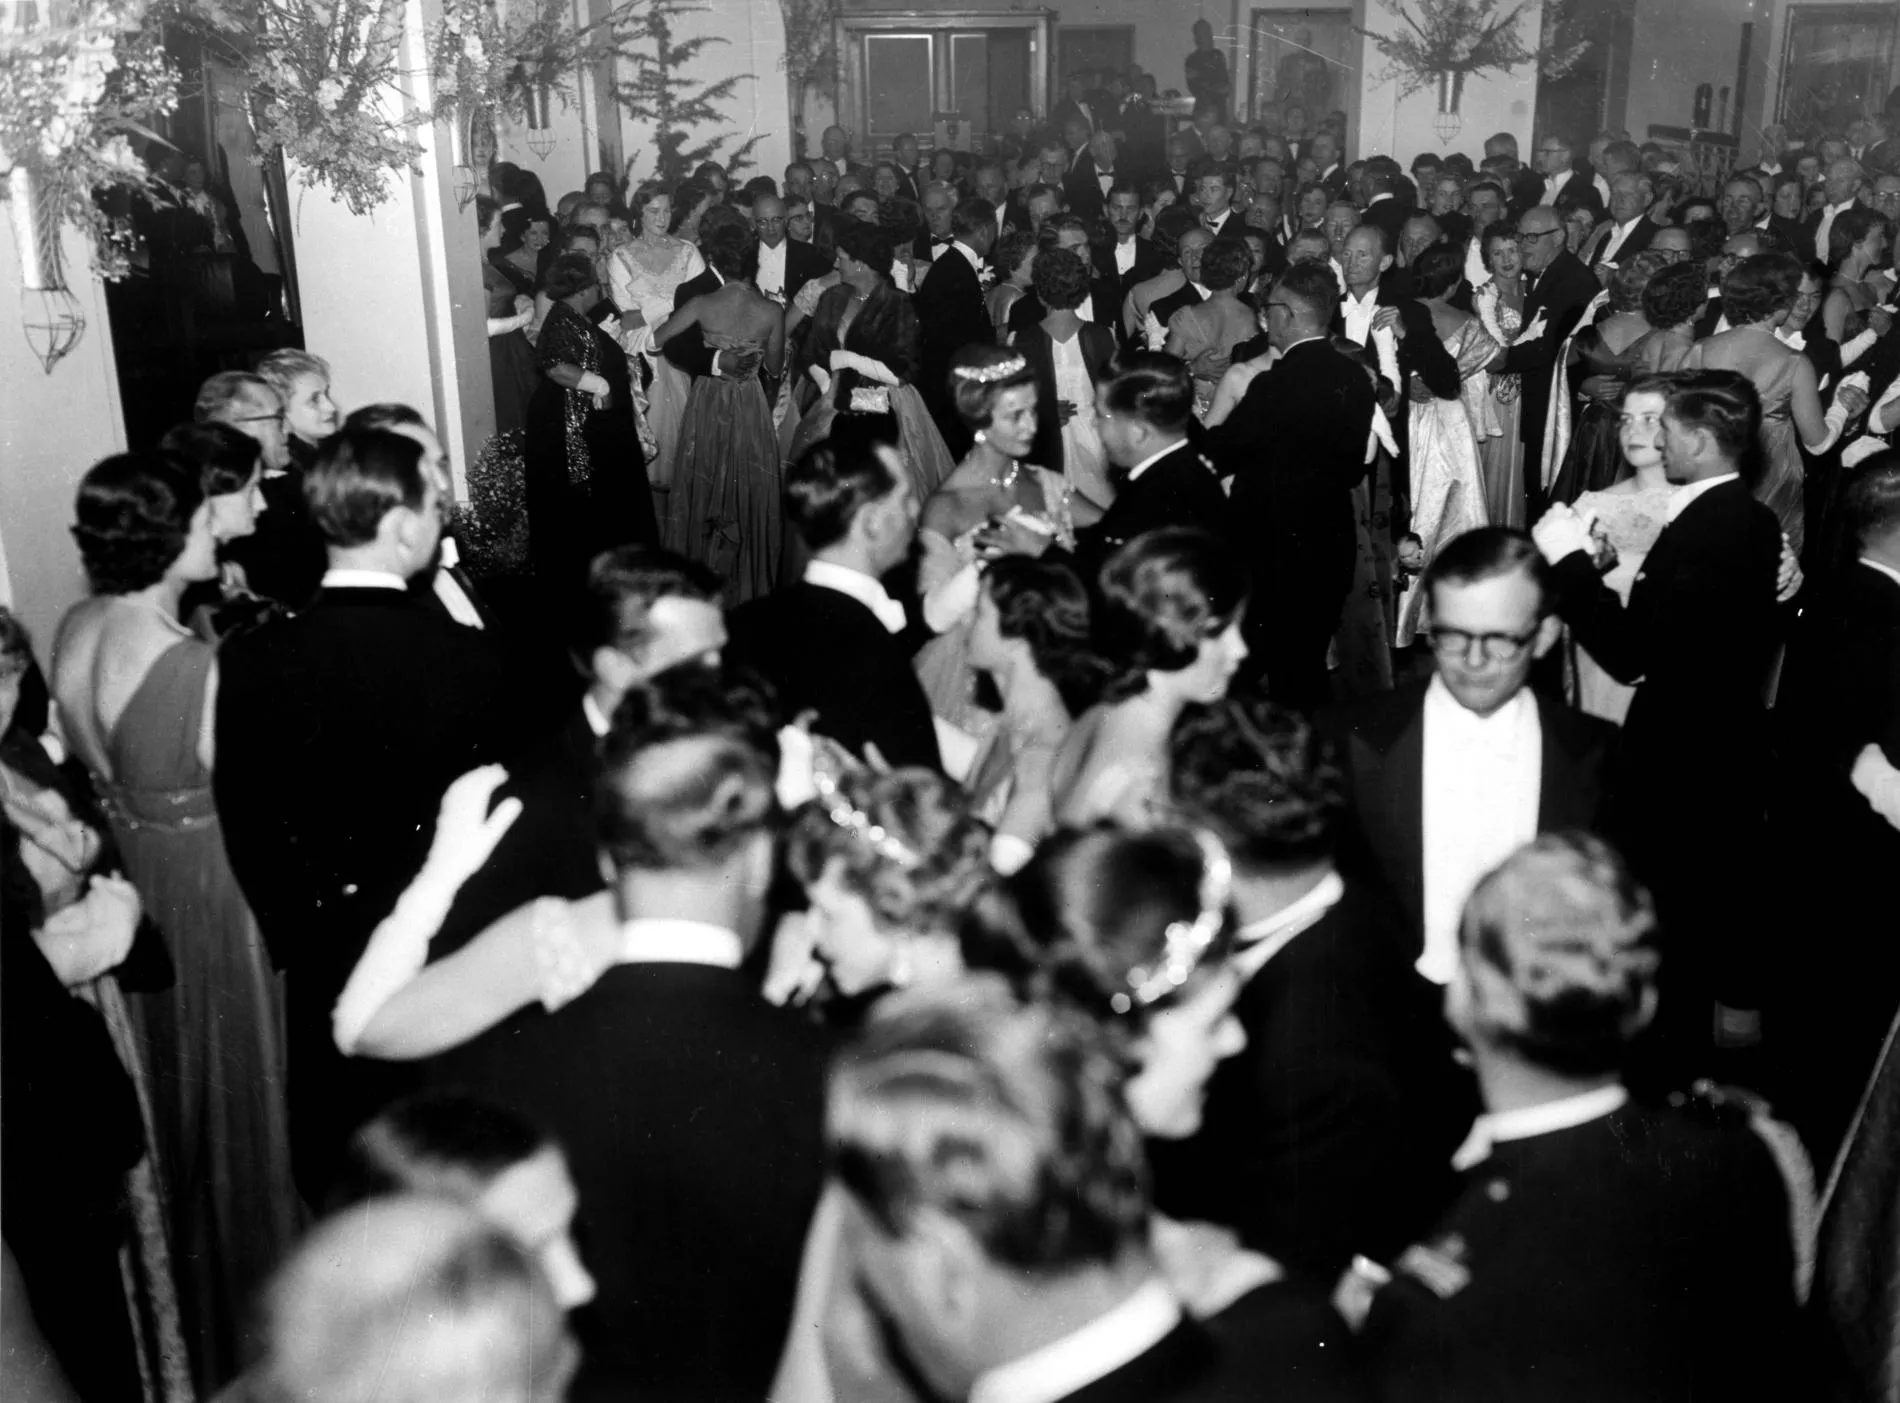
{"type": "Point", "coordinates": [1449, 122]}
{"type": "Point", "coordinates": [540, 139]}
{"type": "Point", "coordinates": [49, 313]}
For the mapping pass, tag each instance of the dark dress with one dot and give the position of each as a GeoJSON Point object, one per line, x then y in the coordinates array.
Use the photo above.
{"type": "Point", "coordinates": [510, 357]}
{"type": "Point", "coordinates": [214, 1039]}
{"type": "Point", "coordinates": [1594, 460]}
{"type": "Point", "coordinates": [723, 509]}
{"type": "Point", "coordinates": [587, 478]}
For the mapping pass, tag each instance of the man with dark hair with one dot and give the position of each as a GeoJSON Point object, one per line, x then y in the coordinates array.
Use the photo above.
{"type": "Point", "coordinates": [338, 728]}
{"type": "Point", "coordinates": [1076, 104]}
{"type": "Point", "coordinates": [1628, 1251]}
{"type": "Point", "coordinates": [1214, 195]}
{"type": "Point", "coordinates": [904, 158]}
{"type": "Point", "coordinates": [1132, 259]}
{"type": "Point", "coordinates": [1699, 632]}
{"type": "Point", "coordinates": [952, 315]}
{"type": "Point", "coordinates": [1838, 717]}
{"type": "Point", "coordinates": [836, 643]}
{"type": "Point", "coordinates": [1385, 210]}
{"type": "Point", "coordinates": [284, 558]}
{"type": "Point", "coordinates": [1087, 185]}
{"type": "Point", "coordinates": [1145, 409]}
{"type": "Point", "coordinates": [1295, 446]}
{"type": "Point", "coordinates": [1451, 774]}
{"type": "Point", "coordinates": [1330, 1133]}
{"type": "Point", "coordinates": [670, 1083]}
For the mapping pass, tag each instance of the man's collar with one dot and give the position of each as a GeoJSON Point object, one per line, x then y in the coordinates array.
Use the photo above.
{"type": "Point", "coordinates": [340, 577]}
{"type": "Point", "coordinates": [1496, 1127]}
{"type": "Point", "coordinates": [1260, 941]}
{"type": "Point", "coordinates": [596, 719]}
{"type": "Point", "coordinates": [656, 940]}
{"type": "Point", "coordinates": [1153, 458]}
{"type": "Point", "coordinates": [1376, 199]}
{"type": "Point", "coordinates": [1883, 568]}
{"type": "Point", "coordinates": [1362, 299]}
{"type": "Point", "coordinates": [859, 586]}
{"type": "Point", "coordinates": [1683, 497]}
{"type": "Point", "coordinates": [1440, 702]}
{"type": "Point", "coordinates": [1085, 1356]}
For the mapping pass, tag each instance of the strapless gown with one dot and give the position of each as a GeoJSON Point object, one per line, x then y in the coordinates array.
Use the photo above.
{"type": "Point", "coordinates": [724, 509]}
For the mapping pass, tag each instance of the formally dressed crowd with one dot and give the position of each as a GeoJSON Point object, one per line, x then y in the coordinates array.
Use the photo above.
{"type": "Point", "coordinates": [1145, 765]}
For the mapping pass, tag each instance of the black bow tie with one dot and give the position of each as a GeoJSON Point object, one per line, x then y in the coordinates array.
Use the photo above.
{"type": "Point", "coordinates": [936, 242]}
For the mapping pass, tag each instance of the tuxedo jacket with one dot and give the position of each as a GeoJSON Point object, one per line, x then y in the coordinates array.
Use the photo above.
{"type": "Point", "coordinates": [1420, 352]}
{"type": "Point", "coordinates": [1232, 224]}
{"type": "Point", "coordinates": [951, 313]}
{"type": "Point", "coordinates": [1295, 447]}
{"type": "Point", "coordinates": [1699, 631]}
{"type": "Point", "coordinates": [1098, 349]}
{"type": "Point", "coordinates": [1332, 1131]}
{"type": "Point", "coordinates": [1146, 265]}
{"type": "Point", "coordinates": [1082, 188]}
{"type": "Point", "coordinates": [1027, 311]}
{"type": "Point", "coordinates": [1068, 107]}
{"type": "Point", "coordinates": [1381, 744]}
{"type": "Point", "coordinates": [1388, 216]}
{"type": "Point", "coordinates": [1179, 490]}
{"type": "Point", "coordinates": [1164, 308]}
{"type": "Point", "coordinates": [802, 264]}
{"type": "Point", "coordinates": [1188, 1365]}
{"type": "Point", "coordinates": [907, 184]}
{"type": "Point", "coordinates": [925, 248]}
{"type": "Point", "coordinates": [688, 351]}
{"type": "Point", "coordinates": [338, 729]}
{"type": "Point", "coordinates": [1561, 292]}
{"type": "Point", "coordinates": [1634, 243]}
{"type": "Point", "coordinates": [691, 1114]}
{"type": "Point", "coordinates": [824, 651]}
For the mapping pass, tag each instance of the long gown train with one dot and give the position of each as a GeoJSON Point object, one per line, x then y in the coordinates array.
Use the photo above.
{"type": "Point", "coordinates": [724, 508]}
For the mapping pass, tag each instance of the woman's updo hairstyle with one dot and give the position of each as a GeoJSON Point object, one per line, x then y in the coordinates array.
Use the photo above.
{"type": "Point", "coordinates": [1061, 279]}
{"type": "Point", "coordinates": [435, 1142]}
{"type": "Point", "coordinates": [226, 457]}
{"type": "Point", "coordinates": [1436, 271]}
{"type": "Point", "coordinates": [1045, 603]}
{"type": "Point", "coordinates": [1115, 922]}
{"type": "Point", "coordinates": [906, 841]}
{"type": "Point", "coordinates": [568, 274]}
{"type": "Point", "coordinates": [487, 211]}
{"type": "Point", "coordinates": [643, 195]}
{"type": "Point", "coordinates": [1632, 280]}
{"type": "Point", "coordinates": [688, 196]}
{"type": "Point", "coordinates": [1675, 295]}
{"type": "Point", "coordinates": [980, 374]}
{"type": "Point", "coordinates": [516, 222]}
{"type": "Point", "coordinates": [869, 244]}
{"type": "Point", "coordinates": [1225, 263]}
{"type": "Point", "coordinates": [132, 518]}
{"type": "Point", "coordinates": [1756, 288]}
{"type": "Point", "coordinates": [1012, 249]}
{"type": "Point", "coordinates": [1505, 230]}
{"type": "Point", "coordinates": [1162, 594]}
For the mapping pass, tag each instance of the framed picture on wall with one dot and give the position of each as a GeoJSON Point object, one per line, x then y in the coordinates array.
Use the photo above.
{"type": "Point", "coordinates": [1302, 65]}
{"type": "Point", "coordinates": [1837, 65]}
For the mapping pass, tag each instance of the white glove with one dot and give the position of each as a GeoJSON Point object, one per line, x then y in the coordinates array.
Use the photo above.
{"type": "Point", "coordinates": [1879, 781]}
{"type": "Point", "coordinates": [1560, 532]}
{"type": "Point", "coordinates": [593, 384]}
{"type": "Point", "coordinates": [465, 834]}
{"type": "Point", "coordinates": [94, 934]}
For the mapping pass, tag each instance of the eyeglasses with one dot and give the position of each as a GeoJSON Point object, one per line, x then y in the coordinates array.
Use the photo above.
{"type": "Point", "coordinates": [1493, 647]}
{"type": "Point", "coordinates": [1531, 236]}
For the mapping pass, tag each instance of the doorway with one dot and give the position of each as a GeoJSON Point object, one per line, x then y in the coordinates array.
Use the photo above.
{"type": "Point", "coordinates": [952, 80]}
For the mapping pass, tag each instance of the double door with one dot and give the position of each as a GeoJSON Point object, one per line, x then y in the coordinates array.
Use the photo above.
{"type": "Point", "coordinates": [949, 79]}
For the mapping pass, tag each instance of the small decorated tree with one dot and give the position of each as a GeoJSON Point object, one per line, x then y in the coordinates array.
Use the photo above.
{"type": "Point", "coordinates": [688, 124]}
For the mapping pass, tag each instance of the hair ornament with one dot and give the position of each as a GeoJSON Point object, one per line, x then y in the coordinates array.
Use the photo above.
{"type": "Point", "coordinates": [858, 824]}
{"type": "Point", "coordinates": [990, 374]}
{"type": "Point", "coordinates": [1184, 943]}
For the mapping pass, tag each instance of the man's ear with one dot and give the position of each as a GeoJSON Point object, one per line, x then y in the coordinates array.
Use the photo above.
{"type": "Point", "coordinates": [1548, 633]}
{"type": "Point", "coordinates": [1385, 262]}
{"type": "Point", "coordinates": [614, 668]}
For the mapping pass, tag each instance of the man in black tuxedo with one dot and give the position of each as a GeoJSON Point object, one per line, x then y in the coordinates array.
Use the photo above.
{"type": "Point", "coordinates": [1699, 632]}
{"type": "Point", "coordinates": [338, 729]}
{"type": "Point", "coordinates": [1092, 177]}
{"type": "Point", "coordinates": [1385, 210]}
{"type": "Point", "coordinates": [644, 610]}
{"type": "Point", "coordinates": [935, 237]}
{"type": "Point", "coordinates": [1076, 104]}
{"type": "Point", "coordinates": [1629, 228]}
{"type": "Point", "coordinates": [1193, 291]}
{"type": "Point", "coordinates": [836, 643]}
{"type": "Point", "coordinates": [1132, 259]}
{"type": "Point", "coordinates": [1452, 774]}
{"type": "Point", "coordinates": [1214, 196]}
{"type": "Point", "coordinates": [1324, 149]}
{"type": "Point", "coordinates": [1178, 173]}
{"type": "Point", "coordinates": [284, 558]}
{"type": "Point", "coordinates": [1838, 710]}
{"type": "Point", "coordinates": [1295, 446]}
{"type": "Point", "coordinates": [1027, 1273]}
{"type": "Point", "coordinates": [1561, 287]}
{"type": "Point", "coordinates": [1331, 1133]}
{"type": "Point", "coordinates": [689, 1109]}
{"type": "Point", "coordinates": [1103, 304]}
{"type": "Point", "coordinates": [1145, 409]}
{"type": "Point", "coordinates": [951, 313]}
{"type": "Point", "coordinates": [785, 265]}
{"type": "Point", "coordinates": [910, 181]}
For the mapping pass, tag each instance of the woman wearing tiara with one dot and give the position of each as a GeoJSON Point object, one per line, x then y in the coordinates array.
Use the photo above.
{"type": "Point", "coordinates": [864, 337]}
{"type": "Point", "coordinates": [993, 504]}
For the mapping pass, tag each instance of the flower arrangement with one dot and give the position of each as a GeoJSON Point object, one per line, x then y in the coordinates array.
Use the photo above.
{"type": "Point", "coordinates": [72, 95]}
{"type": "Point", "coordinates": [486, 66]}
{"type": "Point", "coordinates": [1463, 37]}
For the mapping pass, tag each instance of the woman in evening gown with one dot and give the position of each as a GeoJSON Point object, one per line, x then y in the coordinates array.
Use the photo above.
{"type": "Point", "coordinates": [1205, 335]}
{"type": "Point", "coordinates": [1067, 356]}
{"type": "Point", "coordinates": [136, 690]}
{"type": "Point", "coordinates": [1598, 371]}
{"type": "Point", "coordinates": [724, 509]}
{"type": "Point", "coordinates": [1447, 485]}
{"type": "Point", "coordinates": [644, 275]}
{"type": "Point", "coordinates": [1499, 304]}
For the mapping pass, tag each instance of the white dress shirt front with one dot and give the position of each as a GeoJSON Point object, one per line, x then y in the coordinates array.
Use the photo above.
{"type": "Point", "coordinates": [1081, 1358]}
{"type": "Point", "coordinates": [1607, 254]}
{"type": "Point", "coordinates": [771, 278]}
{"type": "Point", "coordinates": [1125, 250]}
{"type": "Point", "coordinates": [1483, 776]}
{"type": "Point", "coordinates": [1826, 227]}
{"type": "Point", "coordinates": [861, 587]}
{"type": "Point", "coordinates": [1359, 312]}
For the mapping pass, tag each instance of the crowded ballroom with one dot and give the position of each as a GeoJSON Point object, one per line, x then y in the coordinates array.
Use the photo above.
{"type": "Point", "coordinates": [1143, 756]}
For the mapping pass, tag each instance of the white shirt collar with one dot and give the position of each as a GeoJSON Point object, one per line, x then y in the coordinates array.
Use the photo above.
{"type": "Point", "coordinates": [653, 940]}
{"type": "Point", "coordinates": [1495, 1127]}
{"type": "Point", "coordinates": [1152, 459]}
{"type": "Point", "coordinates": [1440, 704]}
{"type": "Point", "coordinates": [596, 719]}
{"type": "Point", "coordinates": [1384, 195]}
{"type": "Point", "coordinates": [1680, 499]}
{"type": "Point", "coordinates": [976, 259]}
{"type": "Point", "coordinates": [861, 587]}
{"type": "Point", "coordinates": [1081, 1358]}
{"type": "Point", "coordinates": [1886, 570]}
{"type": "Point", "coordinates": [1370, 298]}
{"type": "Point", "coordinates": [336, 577]}
{"type": "Point", "coordinates": [1260, 941]}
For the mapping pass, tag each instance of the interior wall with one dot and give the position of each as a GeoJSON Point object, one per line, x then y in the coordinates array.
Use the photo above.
{"type": "Point", "coordinates": [1677, 45]}
{"type": "Point", "coordinates": [1777, 41]}
{"type": "Point", "coordinates": [1490, 103]}
{"type": "Point", "coordinates": [52, 429]}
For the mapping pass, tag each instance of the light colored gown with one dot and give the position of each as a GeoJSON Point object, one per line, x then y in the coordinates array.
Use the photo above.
{"type": "Point", "coordinates": [1448, 497]}
{"type": "Point", "coordinates": [1084, 461]}
{"type": "Point", "coordinates": [1632, 521]}
{"type": "Point", "coordinates": [633, 284]}
{"type": "Point", "coordinates": [1502, 457]}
